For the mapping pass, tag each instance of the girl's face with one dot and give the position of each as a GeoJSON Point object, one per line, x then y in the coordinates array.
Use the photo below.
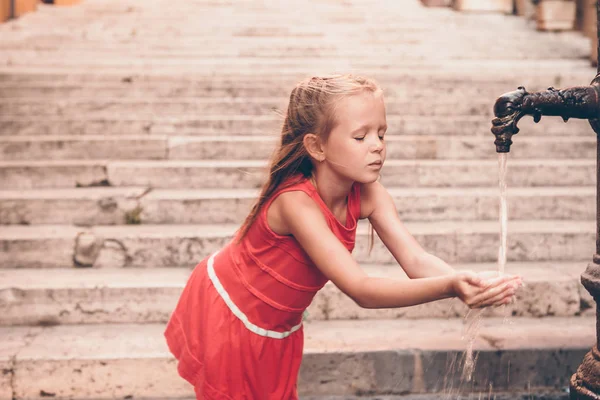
{"type": "Point", "coordinates": [355, 148]}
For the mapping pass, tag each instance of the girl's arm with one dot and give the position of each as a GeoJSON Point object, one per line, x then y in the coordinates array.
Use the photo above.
{"type": "Point", "coordinates": [377, 205]}
{"type": "Point", "coordinates": [305, 221]}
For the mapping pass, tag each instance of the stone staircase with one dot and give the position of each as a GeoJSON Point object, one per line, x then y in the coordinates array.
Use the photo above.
{"type": "Point", "coordinates": [133, 140]}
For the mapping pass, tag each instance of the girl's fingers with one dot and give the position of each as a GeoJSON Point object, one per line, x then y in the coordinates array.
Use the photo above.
{"type": "Point", "coordinates": [475, 281]}
{"type": "Point", "coordinates": [503, 298]}
{"type": "Point", "coordinates": [502, 280]}
{"type": "Point", "coordinates": [494, 294]}
{"type": "Point", "coordinates": [498, 299]}
{"type": "Point", "coordinates": [504, 301]}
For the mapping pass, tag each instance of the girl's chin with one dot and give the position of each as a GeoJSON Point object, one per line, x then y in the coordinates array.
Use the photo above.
{"type": "Point", "coordinates": [373, 177]}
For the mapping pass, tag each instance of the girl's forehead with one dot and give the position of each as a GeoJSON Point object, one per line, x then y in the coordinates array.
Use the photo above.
{"type": "Point", "coordinates": [364, 107]}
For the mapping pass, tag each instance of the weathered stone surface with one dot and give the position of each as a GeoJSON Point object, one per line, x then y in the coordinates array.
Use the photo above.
{"type": "Point", "coordinates": [358, 373]}
{"type": "Point", "coordinates": [90, 362]}
{"type": "Point", "coordinates": [244, 147]}
{"type": "Point", "coordinates": [6, 377]}
{"type": "Point", "coordinates": [173, 87]}
{"type": "Point", "coordinates": [501, 370]}
{"type": "Point", "coordinates": [180, 245]}
{"type": "Point", "coordinates": [81, 206]}
{"type": "Point", "coordinates": [251, 174]}
{"type": "Point", "coordinates": [87, 249]}
{"type": "Point", "coordinates": [540, 394]}
{"type": "Point", "coordinates": [47, 174]}
{"type": "Point", "coordinates": [82, 148]}
{"type": "Point", "coordinates": [531, 301]}
{"type": "Point", "coordinates": [225, 106]}
{"type": "Point", "coordinates": [39, 247]}
{"type": "Point", "coordinates": [188, 174]}
{"type": "Point", "coordinates": [270, 125]}
{"type": "Point", "coordinates": [114, 205]}
{"type": "Point", "coordinates": [96, 360]}
{"type": "Point", "coordinates": [101, 295]}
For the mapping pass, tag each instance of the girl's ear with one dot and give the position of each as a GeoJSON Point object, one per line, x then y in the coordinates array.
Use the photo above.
{"type": "Point", "coordinates": [312, 144]}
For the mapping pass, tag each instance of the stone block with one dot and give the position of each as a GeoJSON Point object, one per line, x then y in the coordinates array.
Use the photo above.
{"type": "Point", "coordinates": [65, 2]}
{"type": "Point", "coordinates": [4, 10]}
{"type": "Point", "coordinates": [6, 377]}
{"type": "Point", "coordinates": [525, 8]}
{"type": "Point", "coordinates": [586, 17]}
{"type": "Point", "coordinates": [188, 174]}
{"type": "Point", "coordinates": [125, 377]}
{"type": "Point", "coordinates": [500, 370]}
{"type": "Point", "coordinates": [57, 174]}
{"type": "Point", "coordinates": [437, 3]}
{"type": "Point", "coordinates": [160, 208]}
{"type": "Point", "coordinates": [503, 6]}
{"type": "Point", "coordinates": [555, 15]}
{"type": "Point", "coordinates": [356, 373]}
{"type": "Point", "coordinates": [83, 148]}
{"type": "Point", "coordinates": [210, 148]}
{"type": "Point", "coordinates": [42, 253]}
{"type": "Point", "coordinates": [81, 207]}
{"type": "Point", "coordinates": [25, 6]}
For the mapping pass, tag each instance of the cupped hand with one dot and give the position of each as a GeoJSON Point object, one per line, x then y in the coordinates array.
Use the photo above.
{"type": "Point", "coordinates": [484, 289]}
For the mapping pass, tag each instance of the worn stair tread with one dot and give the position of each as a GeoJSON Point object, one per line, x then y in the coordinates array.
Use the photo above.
{"type": "Point", "coordinates": [148, 295]}
{"type": "Point", "coordinates": [16, 232]}
{"type": "Point", "coordinates": [170, 277]}
{"type": "Point", "coordinates": [131, 341]}
{"type": "Point", "coordinates": [270, 137]}
{"type": "Point", "coordinates": [262, 163]}
{"type": "Point", "coordinates": [96, 193]}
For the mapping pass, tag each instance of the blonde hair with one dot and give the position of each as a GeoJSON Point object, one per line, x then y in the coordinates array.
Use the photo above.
{"type": "Point", "coordinates": [311, 109]}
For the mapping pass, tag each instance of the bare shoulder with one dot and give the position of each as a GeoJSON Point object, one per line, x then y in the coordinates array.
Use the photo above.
{"type": "Point", "coordinates": [286, 205]}
{"type": "Point", "coordinates": [371, 194]}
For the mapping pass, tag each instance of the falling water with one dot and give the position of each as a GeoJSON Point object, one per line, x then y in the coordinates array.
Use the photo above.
{"type": "Point", "coordinates": [473, 320]}
{"type": "Point", "coordinates": [502, 157]}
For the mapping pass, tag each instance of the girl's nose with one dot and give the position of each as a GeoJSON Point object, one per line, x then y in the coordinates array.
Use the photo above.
{"type": "Point", "coordinates": [377, 146]}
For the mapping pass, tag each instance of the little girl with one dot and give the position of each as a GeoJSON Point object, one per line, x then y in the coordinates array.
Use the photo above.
{"type": "Point", "coordinates": [237, 329]}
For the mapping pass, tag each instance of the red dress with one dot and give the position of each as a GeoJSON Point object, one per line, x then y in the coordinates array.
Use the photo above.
{"type": "Point", "coordinates": [237, 328]}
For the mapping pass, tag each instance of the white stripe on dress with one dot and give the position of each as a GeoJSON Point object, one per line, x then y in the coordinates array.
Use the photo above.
{"type": "Point", "coordinates": [238, 313]}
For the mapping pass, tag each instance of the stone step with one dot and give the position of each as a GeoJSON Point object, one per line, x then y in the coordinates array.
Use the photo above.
{"type": "Point", "coordinates": [415, 91]}
{"type": "Point", "coordinates": [63, 246]}
{"type": "Point", "coordinates": [244, 147]}
{"type": "Point", "coordinates": [117, 206]}
{"type": "Point", "coordinates": [273, 51]}
{"type": "Point", "coordinates": [540, 394]}
{"type": "Point", "coordinates": [447, 80]}
{"type": "Point", "coordinates": [574, 77]}
{"type": "Point", "coordinates": [268, 22]}
{"type": "Point", "coordinates": [133, 295]}
{"type": "Point", "coordinates": [114, 107]}
{"type": "Point", "coordinates": [268, 125]}
{"type": "Point", "coordinates": [238, 174]}
{"type": "Point", "coordinates": [578, 71]}
{"type": "Point", "coordinates": [519, 355]}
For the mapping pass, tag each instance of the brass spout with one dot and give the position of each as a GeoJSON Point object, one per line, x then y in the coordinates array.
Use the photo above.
{"type": "Point", "coordinates": [576, 102]}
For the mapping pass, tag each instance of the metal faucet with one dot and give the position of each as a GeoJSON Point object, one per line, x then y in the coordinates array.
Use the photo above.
{"type": "Point", "coordinates": [581, 102]}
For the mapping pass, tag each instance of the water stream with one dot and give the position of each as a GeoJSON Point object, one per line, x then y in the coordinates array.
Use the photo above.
{"type": "Point", "coordinates": [473, 319]}
{"type": "Point", "coordinates": [502, 157]}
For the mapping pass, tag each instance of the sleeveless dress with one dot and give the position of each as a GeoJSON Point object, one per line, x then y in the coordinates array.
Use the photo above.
{"type": "Point", "coordinates": [237, 328]}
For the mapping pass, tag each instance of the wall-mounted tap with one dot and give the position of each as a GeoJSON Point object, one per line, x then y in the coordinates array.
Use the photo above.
{"type": "Point", "coordinates": [576, 102]}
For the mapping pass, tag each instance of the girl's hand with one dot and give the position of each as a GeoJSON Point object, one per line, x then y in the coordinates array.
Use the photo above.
{"type": "Point", "coordinates": [485, 289]}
